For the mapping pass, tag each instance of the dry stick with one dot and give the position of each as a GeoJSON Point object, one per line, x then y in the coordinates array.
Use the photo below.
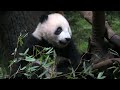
{"type": "Point", "coordinates": [105, 63]}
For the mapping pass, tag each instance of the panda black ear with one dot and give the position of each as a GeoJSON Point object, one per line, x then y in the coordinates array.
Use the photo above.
{"type": "Point", "coordinates": [43, 18]}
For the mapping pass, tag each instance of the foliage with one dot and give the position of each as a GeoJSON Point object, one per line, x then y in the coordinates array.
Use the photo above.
{"type": "Point", "coordinates": [81, 30]}
{"type": "Point", "coordinates": [113, 19]}
{"type": "Point", "coordinates": [45, 61]}
{"type": "Point", "coordinates": [78, 24]}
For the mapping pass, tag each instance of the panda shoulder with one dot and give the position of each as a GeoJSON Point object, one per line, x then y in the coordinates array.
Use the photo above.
{"type": "Point", "coordinates": [31, 40]}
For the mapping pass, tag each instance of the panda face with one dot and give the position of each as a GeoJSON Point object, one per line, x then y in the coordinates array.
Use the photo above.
{"type": "Point", "coordinates": [63, 36]}
{"type": "Point", "coordinates": [55, 29]}
{"type": "Point", "coordinates": [59, 32]}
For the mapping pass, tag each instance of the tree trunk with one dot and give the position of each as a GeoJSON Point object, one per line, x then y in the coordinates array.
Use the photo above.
{"type": "Point", "coordinates": [97, 40]}
{"type": "Point", "coordinates": [12, 23]}
{"type": "Point", "coordinates": [98, 29]}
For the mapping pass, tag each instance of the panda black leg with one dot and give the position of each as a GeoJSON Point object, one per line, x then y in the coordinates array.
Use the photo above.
{"type": "Point", "coordinates": [72, 58]}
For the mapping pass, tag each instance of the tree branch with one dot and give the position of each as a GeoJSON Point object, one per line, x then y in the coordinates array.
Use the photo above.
{"type": "Point", "coordinates": [105, 63]}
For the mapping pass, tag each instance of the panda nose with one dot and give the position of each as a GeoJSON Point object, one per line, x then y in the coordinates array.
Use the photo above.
{"type": "Point", "coordinates": [68, 39]}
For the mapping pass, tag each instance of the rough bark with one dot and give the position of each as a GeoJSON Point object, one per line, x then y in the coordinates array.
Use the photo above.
{"type": "Point", "coordinates": [98, 29]}
{"type": "Point", "coordinates": [105, 63]}
{"type": "Point", "coordinates": [97, 39]}
{"type": "Point", "coordinates": [12, 23]}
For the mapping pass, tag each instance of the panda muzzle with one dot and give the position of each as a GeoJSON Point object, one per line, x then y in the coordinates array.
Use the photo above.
{"type": "Point", "coordinates": [66, 41]}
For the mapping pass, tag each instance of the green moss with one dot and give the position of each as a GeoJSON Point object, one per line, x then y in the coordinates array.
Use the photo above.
{"type": "Point", "coordinates": [81, 30]}
{"type": "Point", "coordinates": [114, 21]}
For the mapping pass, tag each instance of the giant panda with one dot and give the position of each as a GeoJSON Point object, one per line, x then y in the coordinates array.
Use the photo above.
{"type": "Point", "coordinates": [53, 30]}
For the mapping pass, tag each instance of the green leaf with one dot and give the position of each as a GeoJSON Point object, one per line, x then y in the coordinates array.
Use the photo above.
{"type": "Point", "coordinates": [31, 69]}
{"type": "Point", "coordinates": [50, 51]}
{"type": "Point", "coordinates": [28, 75]}
{"type": "Point", "coordinates": [46, 59]}
{"type": "Point", "coordinates": [88, 69]}
{"type": "Point", "coordinates": [25, 35]}
{"type": "Point", "coordinates": [113, 67]}
{"type": "Point", "coordinates": [113, 52]}
{"type": "Point", "coordinates": [52, 62]}
{"type": "Point", "coordinates": [100, 75]}
{"type": "Point", "coordinates": [23, 68]}
{"type": "Point", "coordinates": [21, 54]}
{"type": "Point", "coordinates": [30, 58]}
{"type": "Point", "coordinates": [73, 72]}
{"type": "Point", "coordinates": [116, 69]}
{"type": "Point", "coordinates": [26, 51]}
{"type": "Point", "coordinates": [46, 49]}
{"type": "Point", "coordinates": [43, 73]}
{"type": "Point", "coordinates": [12, 62]}
{"type": "Point", "coordinates": [15, 49]}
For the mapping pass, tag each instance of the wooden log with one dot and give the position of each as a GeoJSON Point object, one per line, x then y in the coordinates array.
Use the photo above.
{"type": "Point", "coordinates": [106, 63]}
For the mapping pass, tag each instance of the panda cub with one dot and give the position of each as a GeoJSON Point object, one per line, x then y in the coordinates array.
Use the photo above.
{"type": "Point", "coordinates": [53, 30]}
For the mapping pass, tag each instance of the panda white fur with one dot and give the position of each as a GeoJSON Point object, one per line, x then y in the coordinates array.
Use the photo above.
{"type": "Point", "coordinates": [54, 30]}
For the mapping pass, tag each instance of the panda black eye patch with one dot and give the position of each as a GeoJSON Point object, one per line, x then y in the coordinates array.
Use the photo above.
{"type": "Point", "coordinates": [58, 31]}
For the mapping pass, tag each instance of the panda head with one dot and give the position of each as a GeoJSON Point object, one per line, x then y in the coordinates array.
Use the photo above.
{"type": "Point", "coordinates": [55, 29]}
